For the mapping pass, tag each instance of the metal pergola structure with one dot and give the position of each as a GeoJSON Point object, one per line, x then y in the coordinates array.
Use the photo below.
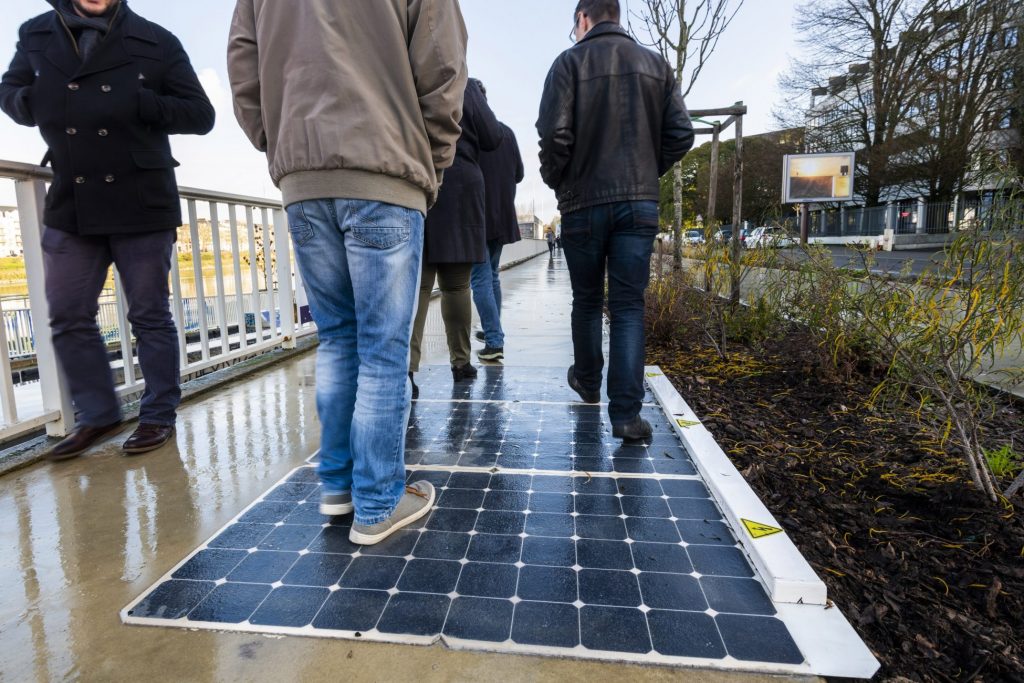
{"type": "Point", "coordinates": [735, 115]}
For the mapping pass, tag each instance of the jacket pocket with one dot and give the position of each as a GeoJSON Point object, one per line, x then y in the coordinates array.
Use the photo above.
{"type": "Point", "coordinates": [158, 189]}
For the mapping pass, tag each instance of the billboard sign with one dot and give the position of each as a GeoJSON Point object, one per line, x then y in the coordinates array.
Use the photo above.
{"type": "Point", "coordinates": [816, 178]}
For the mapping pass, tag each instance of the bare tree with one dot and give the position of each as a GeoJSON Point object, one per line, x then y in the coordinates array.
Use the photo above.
{"type": "Point", "coordinates": [964, 112]}
{"type": "Point", "coordinates": [865, 58]}
{"type": "Point", "coordinates": [686, 33]}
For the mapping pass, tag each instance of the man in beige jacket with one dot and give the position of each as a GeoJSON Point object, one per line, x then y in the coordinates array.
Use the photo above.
{"type": "Point", "coordinates": [357, 105]}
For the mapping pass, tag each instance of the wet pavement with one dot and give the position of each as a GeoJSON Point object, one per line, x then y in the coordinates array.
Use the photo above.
{"type": "Point", "coordinates": [82, 540]}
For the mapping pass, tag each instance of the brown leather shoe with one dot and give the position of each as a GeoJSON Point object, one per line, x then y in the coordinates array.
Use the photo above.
{"type": "Point", "coordinates": [80, 440]}
{"type": "Point", "coordinates": [148, 438]}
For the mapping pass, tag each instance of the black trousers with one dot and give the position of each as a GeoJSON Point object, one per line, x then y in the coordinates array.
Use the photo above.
{"type": "Point", "coordinates": [76, 268]}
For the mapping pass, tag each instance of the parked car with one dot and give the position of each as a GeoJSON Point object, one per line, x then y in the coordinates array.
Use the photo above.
{"type": "Point", "coordinates": [694, 237]}
{"type": "Point", "coordinates": [745, 235]}
{"type": "Point", "coordinates": [723, 235]}
{"type": "Point", "coordinates": [770, 237]}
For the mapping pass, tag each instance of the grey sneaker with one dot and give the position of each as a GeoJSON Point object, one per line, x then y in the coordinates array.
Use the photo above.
{"type": "Point", "coordinates": [638, 429]}
{"type": "Point", "coordinates": [416, 503]}
{"type": "Point", "coordinates": [335, 505]}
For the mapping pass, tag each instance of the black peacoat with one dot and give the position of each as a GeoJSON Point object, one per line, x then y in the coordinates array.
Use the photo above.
{"type": "Point", "coordinates": [455, 227]}
{"type": "Point", "coordinates": [107, 121]}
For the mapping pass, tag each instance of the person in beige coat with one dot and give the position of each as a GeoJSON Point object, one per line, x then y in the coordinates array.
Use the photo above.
{"type": "Point", "coordinates": [357, 106]}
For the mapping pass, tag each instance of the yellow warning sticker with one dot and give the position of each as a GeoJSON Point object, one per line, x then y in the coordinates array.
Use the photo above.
{"type": "Point", "coordinates": [686, 424]}
{"type": "Point", "coordinates": [759, 530]}
{"type": "Point", "coordinates": [654, 374]}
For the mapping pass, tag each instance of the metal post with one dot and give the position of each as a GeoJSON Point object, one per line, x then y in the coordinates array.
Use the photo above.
{"type": "Point", "coordinates": [254, 276]}
{"type": "Point", "coordinates": [842, 220]}
{"type": "Point", "coordinates": [709, 223]}
{"type": "Point", "coordinates": [236, 262]}
{"type": "Point", "coordinates": [824, 221]}
{"type": "Point", "coordinates": [922, 220]}
{"type": "Point", "coordinates": [218, 269]}
{"type": "Point", "coordinates": [284, 278]}
{"type": "Point", "coordinates": [197, 271]}
{"type": "Point", "coordinates": [268, 269]}
{"type": "Point", "coordinates": [124, 331]}
{"type": "Point", "coordinates": [805, 224]}
{"type": "Point", "coordinates": [737, 216]}
{"type": "Point", "coordinates": [31, 195]}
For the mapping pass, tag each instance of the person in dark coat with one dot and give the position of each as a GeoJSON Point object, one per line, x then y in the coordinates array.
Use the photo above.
{"type": "Point", "coordinates": [503, 170]}
{"type": "Point", "coordinates": [106, 88]}
{"type": "Point", "coordinates": [456, 236]}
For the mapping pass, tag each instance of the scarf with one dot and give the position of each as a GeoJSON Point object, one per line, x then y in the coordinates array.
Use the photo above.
{"type": "Point", "coordinates": [88, 31]}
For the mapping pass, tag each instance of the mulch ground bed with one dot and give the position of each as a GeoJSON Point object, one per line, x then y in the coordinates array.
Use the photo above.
{"type": "Point", "coordinates": [928, 571]}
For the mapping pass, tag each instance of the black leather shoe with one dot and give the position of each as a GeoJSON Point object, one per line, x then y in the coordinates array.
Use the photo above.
{"type": "Point", "coordinates": [80, 440]}
{"type": "Point", "coordinates": [638, 429]}
{"type": "Point", "coordinates": [148, 438]}
{"type": "Point", "coordinates": [466, 372]}
{"type": "Point", "coordinates": [415, 388]}
{"type": "Point", "coordinates": [585, 395]}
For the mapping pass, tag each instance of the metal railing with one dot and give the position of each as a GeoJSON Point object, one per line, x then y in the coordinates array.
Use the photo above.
{"type": "Point", "coordinates": [252, 281]}
{"type": "Point", "coordinates": [911, 217]}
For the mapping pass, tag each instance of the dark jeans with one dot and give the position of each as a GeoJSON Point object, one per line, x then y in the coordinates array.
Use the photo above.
{"type": "Point", "coordinates": [76, 269]}
{"type": "Point", "coordinates": [617, 239]}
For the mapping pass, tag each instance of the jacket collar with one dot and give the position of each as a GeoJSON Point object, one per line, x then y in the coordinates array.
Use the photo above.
{"type": "Point", "coordinates": [110, 54]}
{"type": "Point", "coordinates": [606, 28]}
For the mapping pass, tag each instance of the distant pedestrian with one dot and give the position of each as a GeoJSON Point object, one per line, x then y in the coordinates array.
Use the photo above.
{"type": "Point", "coordinates": [457, 236]}
{"type": "Point", "coordinates": [357, 105]}
{"type": "Point", "coordinates": [550, 237]}
{"type": "Point", "coordinates": [558, 243]}
{"type": "Point", "coordinates": [503, 170]}
{"type": "Point", "coordinates": [605, 169]}
{"type": "Point", "coordinates": [106, 88]}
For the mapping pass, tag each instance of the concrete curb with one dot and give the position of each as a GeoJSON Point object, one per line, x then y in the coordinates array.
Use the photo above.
{"type": "Point", "coordinates": [786, 574]}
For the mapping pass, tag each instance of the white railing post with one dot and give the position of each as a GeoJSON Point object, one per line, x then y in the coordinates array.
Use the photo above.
{"type": "Point", "coordinates": [178, 309]}
{"type": "Point", "coordinates": [254, 276]}
{"type": "Point", "coordinates": [124, 331]}
{"type": "Point", "coordinates": [218, 269]}
{"type": "Point", "coordinates": [10, 406]}
{"type": "Point", "coordinates": [268, 270]}
{"type": "Point", "coordinates": [284, 278]}
{"type": "Point", "coordinates": [31, 196]}
{"type": "Point", "coordinates": [197, 270]}
{"type": "Point", "coordinates": [236, 262]}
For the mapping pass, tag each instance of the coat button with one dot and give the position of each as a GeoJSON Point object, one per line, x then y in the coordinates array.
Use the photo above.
{"type": "Point", "coordinates": [103, 132]}
{"type": "Point", "coordinates": [71, 131]}
{"type": "Point", "coordinates": [105, 88]}
{"type": "Point", "coordinates": [109, 179]}
{"type": "Point", "coordinates": [80, 180]}
{"type": "Point", "coordinates": [73, 86]}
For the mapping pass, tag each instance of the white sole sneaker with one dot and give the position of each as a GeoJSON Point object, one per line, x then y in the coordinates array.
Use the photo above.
{"type": "Point", "coordinates": [330, 508]}
{"type": "Point", "coordinates": [372, 539]}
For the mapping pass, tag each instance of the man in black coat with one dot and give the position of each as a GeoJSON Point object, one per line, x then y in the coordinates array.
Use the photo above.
{"type": "Point", "coordinates": [503, 170]}
{"type": "Point", "coordinates": [106, 88]}
{"type": "Point", "coordinates": [612, 122]}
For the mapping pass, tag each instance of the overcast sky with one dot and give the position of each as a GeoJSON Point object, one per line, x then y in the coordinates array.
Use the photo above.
{"type": "Point", "coordinates": [512, 45]}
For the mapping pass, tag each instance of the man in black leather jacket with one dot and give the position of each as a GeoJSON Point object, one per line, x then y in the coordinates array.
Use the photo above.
{"type": "Point", "coordinates": [612, 122]}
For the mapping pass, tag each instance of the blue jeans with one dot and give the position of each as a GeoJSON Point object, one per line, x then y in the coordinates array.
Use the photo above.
{"type": "Point", "coordinates": [618, 239]}
{"type": "Point", "coordinates": [486, 284]}
{"type": "Point", "coordinates": [360, 262]}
